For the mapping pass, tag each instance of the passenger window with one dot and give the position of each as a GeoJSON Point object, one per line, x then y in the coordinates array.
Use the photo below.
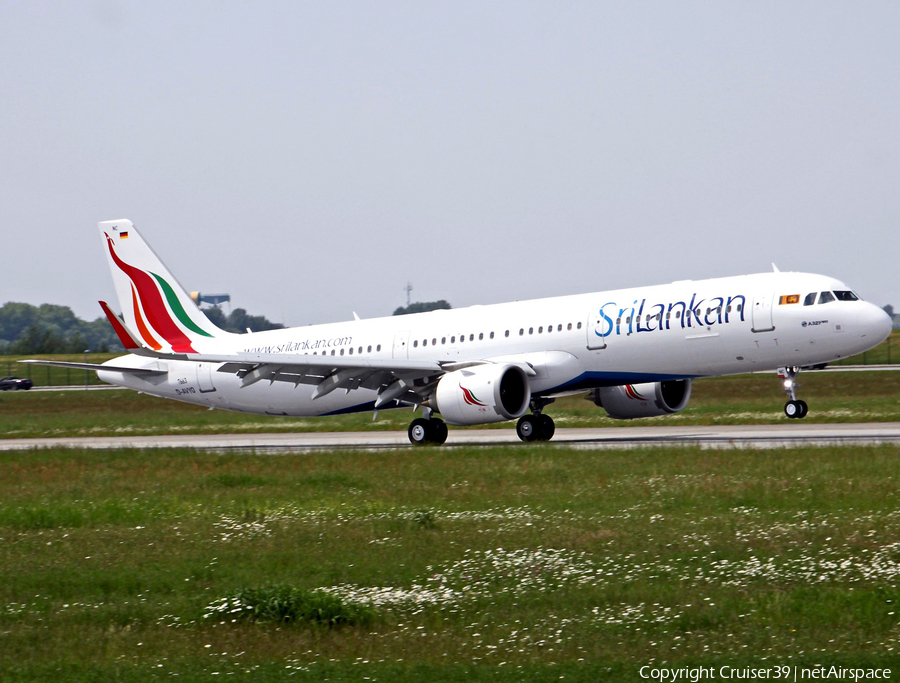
{"type": "Point", "coordinates": [472, 337]}
{"type": "Point", "coordinates": [569, 326]}
{"type": "Point", "coordinates": [415, 343]}
{"type": "Point", "coordinates": [559, 328]}
{"type": "Point", "coordinates": [541, 330]}
{"type": "Point", "coordinates": [826, 297]}
{"type": "Point", "coordinates": [369, 349]}
{"type": "Point", "coordinates": [810, 299]}
{"type": "Point", "coordinates": [579, 326]}
{"type": "Point", "coordinates": [481, 336]}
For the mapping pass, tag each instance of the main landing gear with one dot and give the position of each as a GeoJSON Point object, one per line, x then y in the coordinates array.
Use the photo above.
{"type": "Point", "coordinates": [427, 430]}
{"type": "Point", "coordinates": [794, 408]}
{"type": "Point", "coordinates": [537, 426]}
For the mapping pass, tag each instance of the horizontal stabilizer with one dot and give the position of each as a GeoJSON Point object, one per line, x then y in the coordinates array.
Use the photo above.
{"type": "Point", "coordinates": [95, 367]}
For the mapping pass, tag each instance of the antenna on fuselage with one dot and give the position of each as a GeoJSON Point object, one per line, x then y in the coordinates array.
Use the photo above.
{"type": "Point", "coordinates": [775, 269]}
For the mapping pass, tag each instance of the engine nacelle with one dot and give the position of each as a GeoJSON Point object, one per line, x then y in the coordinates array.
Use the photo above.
{"type": "Point", "coordinates": [482, 394]}
{"type": "Point", "coordinates": [643, 400]}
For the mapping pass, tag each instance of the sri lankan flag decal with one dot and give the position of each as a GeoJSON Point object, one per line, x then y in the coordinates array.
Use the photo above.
{"type": "Point", "coordinates": [471, 399]}
{"type": "Point", "coordinates": [633, 394]}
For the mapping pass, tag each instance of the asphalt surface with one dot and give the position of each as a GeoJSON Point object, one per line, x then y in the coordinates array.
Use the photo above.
{"type": "Point", "coordinates": [726, 436]}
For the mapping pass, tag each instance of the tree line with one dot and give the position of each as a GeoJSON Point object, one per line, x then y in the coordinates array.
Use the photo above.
{"type": "Point", "coordinates": [26, 329]}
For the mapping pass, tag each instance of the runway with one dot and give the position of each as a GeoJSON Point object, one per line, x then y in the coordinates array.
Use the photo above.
{"type": "Point", "coordinates": [725, 436]}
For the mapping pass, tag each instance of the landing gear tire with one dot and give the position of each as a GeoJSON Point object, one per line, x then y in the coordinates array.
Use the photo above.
{"type": "Point", "coordinates": [796, 409]}
{"type": "Point", "coordinates": [440, 431]}
{"type": "Point", "coordinates": [418, 431]}
{"type": "Point", "coordinates": [422, 431]}
{"type": "Point", "coordinates": [546, 427]}
{"type": "Point", "coordinates": [527, 428]}
{"type": "Point", "coordinates": [535, 428]}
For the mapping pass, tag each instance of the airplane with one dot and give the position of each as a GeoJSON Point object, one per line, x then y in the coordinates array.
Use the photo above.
{"type": "Point", "coordinates": [634, 352]}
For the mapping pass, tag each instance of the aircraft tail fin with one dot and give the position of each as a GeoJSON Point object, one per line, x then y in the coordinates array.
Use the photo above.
{"type": "Point", "coordinates": [157, 311]}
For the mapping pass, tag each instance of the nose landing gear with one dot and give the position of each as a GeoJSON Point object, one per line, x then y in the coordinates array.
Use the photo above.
{"type": "Point", "coordinates": [794, 408]}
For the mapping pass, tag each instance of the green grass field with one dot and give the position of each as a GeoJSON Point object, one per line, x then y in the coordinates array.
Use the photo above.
{"type": "Point", "coordinates": [745, 399]}
{"type": "Point", "coordinates": [520, 563]}
{"type": "Point", "coordinates": [524, 563]}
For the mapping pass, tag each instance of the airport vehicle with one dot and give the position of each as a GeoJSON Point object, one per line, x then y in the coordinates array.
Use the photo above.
{"type": "Point", "coordinates": [634, 352]}
{"type": "Point", "coordinates": [14, 383]}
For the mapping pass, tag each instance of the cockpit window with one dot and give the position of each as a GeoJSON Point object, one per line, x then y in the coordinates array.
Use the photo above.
{"type": "Point", "coordinates": [810, 299]}
{"type": "Point", "coordinates": [825, 297]}
{"type": "Point", "coordinates": [845, 296]}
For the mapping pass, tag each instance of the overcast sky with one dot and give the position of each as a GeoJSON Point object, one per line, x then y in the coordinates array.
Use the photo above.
{"type": "Point", "coordinates": [310, 159]}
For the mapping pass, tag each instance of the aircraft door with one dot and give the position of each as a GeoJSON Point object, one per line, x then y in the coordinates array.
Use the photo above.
{"type": "Point", "coordinates": [401, 344]}
{"type": "Point", "coordinates": [204, 378]}
{"type": "Point", "coordinates": [598, 330]}
{"type": "Point", "coordinates": [762, 312]}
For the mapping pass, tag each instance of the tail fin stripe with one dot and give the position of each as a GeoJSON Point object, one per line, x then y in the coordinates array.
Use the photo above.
{"type": "Point", "coordinates": [141, 325]}
{"type": "Point", "coordinates": [153, 305]}
{"type": "Point", "coordinates": [177, 308]}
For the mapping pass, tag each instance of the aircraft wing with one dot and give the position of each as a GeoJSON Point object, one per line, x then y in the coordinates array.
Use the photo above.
{"type": "Point", "coordinates": [394, 379]}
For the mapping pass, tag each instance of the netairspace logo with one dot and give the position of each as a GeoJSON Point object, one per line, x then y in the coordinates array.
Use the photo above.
{"type": "Point", "coordinates": [787, 673]}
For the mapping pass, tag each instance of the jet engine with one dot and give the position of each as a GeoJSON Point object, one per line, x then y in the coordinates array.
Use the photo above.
{"type": "Point", "coordinates": [482, 394]}
{"type": "Point", "coordinates": [643, 400]}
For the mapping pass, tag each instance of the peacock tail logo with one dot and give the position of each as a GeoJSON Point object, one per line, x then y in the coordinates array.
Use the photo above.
{"type": "Point", "coordinates": [147, 294]}
{"type": "Point", "coordinates": [471, 399]}
{"type": "Point", "coordinates": [633, 394]}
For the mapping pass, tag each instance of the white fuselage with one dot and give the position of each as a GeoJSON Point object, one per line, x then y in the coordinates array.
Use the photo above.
{"type": "Point", "coordinates": [573, 343]}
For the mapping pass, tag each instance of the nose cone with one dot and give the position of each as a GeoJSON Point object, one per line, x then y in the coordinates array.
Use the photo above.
{"type": "Point", "coordinates": [878, 324]}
